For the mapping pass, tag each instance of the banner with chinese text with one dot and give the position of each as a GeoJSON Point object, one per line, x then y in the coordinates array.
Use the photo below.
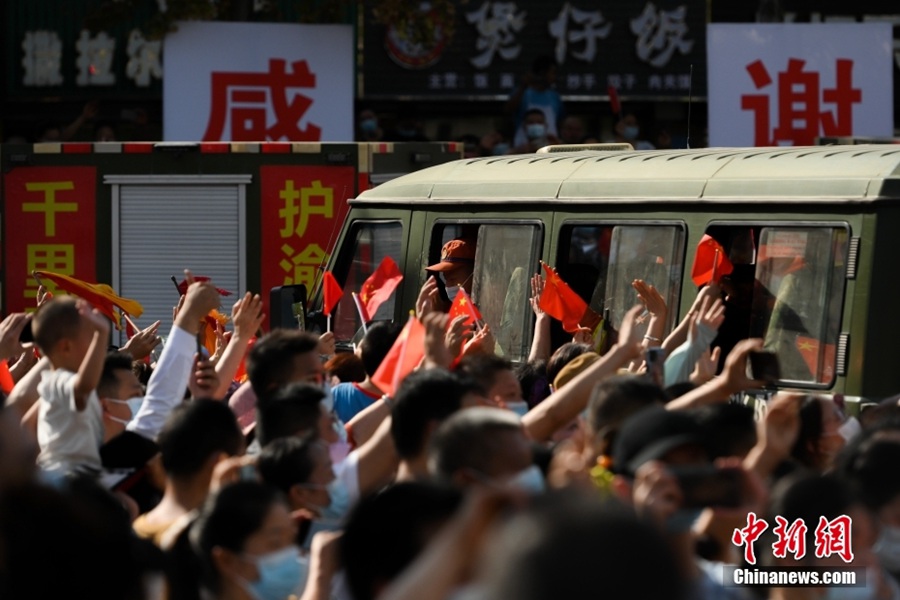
{"type": "Point", "coordinates": [258, 82]}
{"type": "Point", "coordinates": [787, 84]}
{"type": "Point", "coordinates": [644, 49]}
{"type": "Point", "coordinates": [303, 209]}
{"type": "Point", "coordinates": [50, 224]}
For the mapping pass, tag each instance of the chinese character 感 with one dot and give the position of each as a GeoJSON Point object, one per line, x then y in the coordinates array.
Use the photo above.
{"type": "Point", "coordinates": [95, 59]}
{"type": "Point", "coordinates": [748, 535]}
{"type": "Point", "coordinates": [451, 80]}
{"type": "Point", "coordinates": [834, 537]}
{"type": "Point", "coordinates": [435, 81]}
{"type": "Point", "coordinates": [799, 102]}
{"type": "Point", "coordinates": [302, 267]}
{"type": "Point", "coordinates": [507, 81]}
{"type": "Point", "coordinates": [306, 208]}
{"type": "Point", "coordinates": [49, 206]}
{"type": "Point", "coordinates": [43, 58]}
{"type": "Point", "coordinates": [143, 59]}
{"type": "Point", "coordinates": [790, 539]}
{"type": "Point", "coordinates": [593, 28]}
{"type": "Point", "coordinates": [573, 81]}
{"type": "Point", "coordinates": [660, 34]}
{"type": "Point", "coordinates": [243, 98]}
{"type": "Point", "coordinates": [57, 258]}
{"type": "Point", "coordinates": [496, 23]}
{"type": "Point", "coordinates": [481, 81]}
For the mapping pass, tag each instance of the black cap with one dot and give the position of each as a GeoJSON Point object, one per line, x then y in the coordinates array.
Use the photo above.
{"type": "Point", "coordinates": [650, 434]}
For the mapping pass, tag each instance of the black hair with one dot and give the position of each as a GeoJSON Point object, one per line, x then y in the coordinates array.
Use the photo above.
{"type": "Point", "coordinates": [469, 439]}
{"type": "Point", "coordinates": [563, 356]}
{"type": "Point", "coordinates": [542, 64]}
{"type": "Point", "coordinates": [376, 343]}
{"type": "Point", "coordinates": [729, 429]}
{"type": "Point", "coordinates": [194, 432]}
{"type": "Point", "coordinates": [534, 111]}
{"type": "Point", "coordinates": [868, 462]}
{"type": "Point", "coordinates": [424, 397]}
{"type": "Point", "coordinates": [270, 360]}
{"type": "Point", "coordinates": [386, 531]}
{"type": "Point", "coordinates": [57, 319]}
{"type": "Point", "coordinates": [554, 547]}
{"type": "Point", "coordinates": [532, 376]}
{"type": "Point", "coordinates": [287, 461]}
{"type": "Point", "coordinates": [810, 433]}
{"type": "Point", "coordinates": [614, 400]}
{"type": "Point", "coordinates": [227, 519]}
{"type": "Point", "coordinates": [114, 361]}
{"type": "Point", "coordinates": [484, 369]}
{"type": "Point", "coordinates": [294, 409]}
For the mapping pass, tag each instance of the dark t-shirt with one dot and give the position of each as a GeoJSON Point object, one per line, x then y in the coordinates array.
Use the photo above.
{"type": "Point", "coordinates": [131, 452]}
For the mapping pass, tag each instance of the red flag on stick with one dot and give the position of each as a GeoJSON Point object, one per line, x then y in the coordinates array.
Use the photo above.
{"type": "Point", "coordinates": [183, 286]}
{"type": "Point", "coordinates": [406, 353]}
{"type": "Point", "coordinates": [614, 103]}
{"type": "Point", "coordinates": [710, 263]}
{"type": "Point", "coordinates": [6, 380]}
{"type": "Point", "coordinates": [332, 292]}
{"type": "Point", "coordinates": [562, 303]}
{"type": "Point", "coordinates": [100, 295]}
{"type": "Point", "coordinates": [377, 289]}
{"type": "Point", "coordinates": [463, 306]}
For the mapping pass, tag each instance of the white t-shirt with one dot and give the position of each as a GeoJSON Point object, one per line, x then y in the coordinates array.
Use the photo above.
{"type": "Point", "coordinates": [68, 438]}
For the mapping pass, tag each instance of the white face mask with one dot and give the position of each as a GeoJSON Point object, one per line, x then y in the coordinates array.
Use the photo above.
{"type": "Point", "coordinates": [452, 291]}
{"type": "Point", "coordinates": [134, 405]}
{"type": "Point", "coordinates": [328, 401]}
{"type": "Point", "coordinates": [888, 548]}
{"type": "Point", "coordinates": [850, 429]}
{"type": "Point", "coordinates": [529, 480]}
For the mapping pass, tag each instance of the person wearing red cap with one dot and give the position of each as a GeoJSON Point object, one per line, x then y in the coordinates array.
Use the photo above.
{"type": "Point", "coordinates": [457, 266]}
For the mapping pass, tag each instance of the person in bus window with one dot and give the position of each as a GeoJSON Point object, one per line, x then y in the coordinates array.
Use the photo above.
{"type": "Point", "coordinates": [457, 266]}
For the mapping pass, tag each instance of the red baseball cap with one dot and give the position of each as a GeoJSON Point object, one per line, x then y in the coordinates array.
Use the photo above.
{"type": "Point", "coordinates": [454, 254]}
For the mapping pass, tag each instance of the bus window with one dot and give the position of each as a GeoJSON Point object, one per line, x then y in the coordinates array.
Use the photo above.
{"type": "Point", "coordinates": [798, 298]}
{"type": "Point", "coordinates": [506, 256]}
{"type": "Point", "coordinates": [371, 243]}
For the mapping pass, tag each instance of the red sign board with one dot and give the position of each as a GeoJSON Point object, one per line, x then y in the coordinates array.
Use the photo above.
{"type": "Point", "coordinates": [303, 209]}
{"type": "Point", "coordinates": [50, 224]}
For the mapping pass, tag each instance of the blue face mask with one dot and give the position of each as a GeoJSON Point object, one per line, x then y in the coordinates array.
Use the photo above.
{"type": "Point", "coordinates": [520, 407]}
{"type": "Point", "coordinates": [368, 125]}
{"type": "Point", "coordinates": [630, 132]}
{"type": "Point", "coordinates": [281, 574]}
{"type": "Point", "coordinates": [530, 480]}
{"type": "Point", "coordinates": [535, 131]}
{"type": "Point", "coordinates": [339, 506]}
{"type": "Point", "coordinates": [501, 149]}
{"type": "Point", "coordinates": [683, 520]}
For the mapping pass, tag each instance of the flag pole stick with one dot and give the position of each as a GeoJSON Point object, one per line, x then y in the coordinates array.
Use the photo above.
{"type": "Point", "coordinates": [715, 264]}
{"type": "Point", "coordinates": [359, 309]}
{"type": "Point", "coordinates": [130, 322]}
{"type": "Point", "coordinates": [327, 323]}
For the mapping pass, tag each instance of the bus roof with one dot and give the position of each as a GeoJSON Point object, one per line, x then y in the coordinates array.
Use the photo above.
{"type": "Point", "coordinates": [833, 174]}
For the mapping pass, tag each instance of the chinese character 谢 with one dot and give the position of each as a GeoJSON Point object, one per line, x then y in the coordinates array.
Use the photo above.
{"type": "Point", "coordinates": [301, 213]}
{"type": "Point", "coordinates": [95, 59]}
{"type": "Point", "coordinates": [242, 99]}
{"type": "Point", "coordinates": [496, 23]}
{"type": "Point", "coordinates": [790, 539]}
{"type": "Point", "coordinates": [143, 59]}
{"type": "Point", "coordinates": [301, 268]}
{"type": "Point", "coordinates": [748, 535]}
{"type": "Point", "coordinates": [593, 28]}
{"type": "Point", "coordinates": [660, 34]}
{"type": "Point", "coordinates": [834, 537]}
{"type": "Point", "coordinates": [43, 58]}
{"type": "Point", "coordinates": [799, 103]}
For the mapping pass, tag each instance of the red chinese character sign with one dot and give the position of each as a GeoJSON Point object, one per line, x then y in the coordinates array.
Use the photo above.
{"type": "Point", "coordinates": [258, 82]}
{"type": "Point", "coordinates": [50, 224]}
{"type": "Point", "coordinates": [303, 209]}
{"type": "Point", "coordinates": [788, 84]}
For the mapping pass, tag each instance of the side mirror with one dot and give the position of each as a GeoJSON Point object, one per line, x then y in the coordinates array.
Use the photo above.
{"type": "Point", "coordinates": [287, 303]}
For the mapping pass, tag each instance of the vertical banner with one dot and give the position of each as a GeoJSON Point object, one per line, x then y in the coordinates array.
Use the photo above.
{"type": "Point", "coordinates": [787, 84]}
{"type": "Point", "coordinates": [50, 224]}
{"type": "Point", "coordinates": [303, 209]}
{"type": "Point", "coordinates": [257, 82]}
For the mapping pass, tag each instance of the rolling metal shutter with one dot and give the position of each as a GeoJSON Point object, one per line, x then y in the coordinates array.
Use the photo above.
{"type": "Point", "coordinates": [161, 228]}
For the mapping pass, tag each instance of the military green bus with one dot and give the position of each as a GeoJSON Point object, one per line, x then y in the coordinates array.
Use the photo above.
{"type": "Point", "coordinates": [812, 234]}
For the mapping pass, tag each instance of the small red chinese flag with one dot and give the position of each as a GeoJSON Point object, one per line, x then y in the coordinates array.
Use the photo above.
{"type": "Point", "coordinates": [406, 353]}
{"type": "Point", "coordinates": [332, 291]}
{"type": "Point", "coordinates": [463, 306]}
{"type": "Point", "coordinates": [380, 285]}
{"type": "Point", "coordinates": [710, 263]}
{"type": "Point", "coordinates": [6, 380]}
{"type": "Point", "coordinates": [241, 374]}
{"type": "Point", "coordinates": [100, 295]}
{"type": "Point", "coordinates": [562, 303]}
{"type": "Point", "coordinates": [213, 320]}
{"type": "Point", "coordinates": [614, 103]}
{"type": "Point", "coordinates": [183, 286]}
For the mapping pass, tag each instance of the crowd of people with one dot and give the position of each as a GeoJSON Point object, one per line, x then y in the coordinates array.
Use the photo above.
{"type": "Point", "coordinates": [579, 472]}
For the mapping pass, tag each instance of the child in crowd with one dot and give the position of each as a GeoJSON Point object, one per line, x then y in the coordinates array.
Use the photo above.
{"type": "Point", "coordinates": [70, 420]}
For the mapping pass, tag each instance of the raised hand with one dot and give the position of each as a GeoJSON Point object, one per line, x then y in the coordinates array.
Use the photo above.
{"type": "Point", "coordinates": [457, 334]}
{"type": "Point", "coordinates": [650, 297]}
{"type": "Point", "coordinates": [143, 342]}
{"type": "Point", "coordinates": [204, 380]}
{"type": "Point", "coordinates": [629, 332]}
{"type": "Point", "coordinates": [428, 298]}
{"type": "Point", "coordinates": [327, 344]}
{"type": "Point", "coordinates": [10, 331]}
{"type": "Point", "coordinates": [247, 316]}
{"type": "Point", "coordinates": [537, 288]}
